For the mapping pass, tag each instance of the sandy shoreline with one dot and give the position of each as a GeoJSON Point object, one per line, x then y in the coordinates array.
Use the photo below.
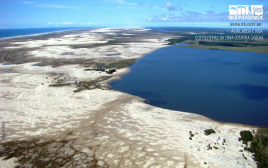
{"type": "Point", "coordinates": [103, 127]}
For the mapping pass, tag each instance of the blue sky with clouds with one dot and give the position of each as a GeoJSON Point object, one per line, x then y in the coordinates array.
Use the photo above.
{"type": "Point", "coordinates": [87, 13]}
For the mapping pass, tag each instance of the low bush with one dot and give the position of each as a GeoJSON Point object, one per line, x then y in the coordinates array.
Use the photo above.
{"type": "Point", "coordinates": [246, 136]}
{"type": "Point", "coordinates": [111, 71]}
{"type": "Point", "coordinates": [209, 131]}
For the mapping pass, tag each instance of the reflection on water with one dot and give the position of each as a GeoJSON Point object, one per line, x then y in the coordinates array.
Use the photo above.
{"type": "Point", "coordinates": [227, 86]}
{"type": "Point", "coordinates": [258, 69]}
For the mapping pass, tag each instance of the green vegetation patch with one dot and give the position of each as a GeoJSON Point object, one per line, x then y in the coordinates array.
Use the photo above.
{"type": "Point", "coordinates": [209, 147]}
{"type": "Point", "coordinates": [176, 41]}
{"type": "Point", "coordinates": [246, 136]}
{"type": "Point", "coordinates": [96, 69]}
{"type": "Point", "coordinates": [115, 42]}
{"type": "Point", "coordinates": [118, 64]}
{"type": "Point", "coordinates": [223, 142]}
{"type": "Point", "coordinates": [122, 64]}
{"type": "Point", "coordinates": [191, 135]}
{"type": "Point", "coordinates": [249, 45]}
{"type": "Point", "coordinates": [87, 85]}
{"type": "Point", "coordinates": [209, 131]}
{"type": "Point", "coordinates": [258, 146]}
{"type": "Point", "coordinates": [231, 44]}
{"type": "Point", "coordinates": [60, 84]}
{"type": "Point", "coordinates": [111, 71]}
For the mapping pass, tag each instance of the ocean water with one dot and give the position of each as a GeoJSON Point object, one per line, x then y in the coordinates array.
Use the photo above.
{"type": "Point", "coordinates": [227, 86]}
{"type": "Point", "coordinates": [5, 33]}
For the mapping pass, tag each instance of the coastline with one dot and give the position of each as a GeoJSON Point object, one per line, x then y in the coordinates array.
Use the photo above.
{"type": "Point", "coordinates": [37, 34]}
{"type": "Point", "coordinates": [109, 128]}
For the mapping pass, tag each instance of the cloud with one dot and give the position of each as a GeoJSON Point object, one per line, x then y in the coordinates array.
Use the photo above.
{"type": "Point", "coordinates": [88, 23]}
{"type": "Point", "coordinates": [129, 19]}
{"type": "Point", "coordinates": [28, 2]}
{"type": "Point", "coordinates": [58, 6]}
{"type": "Point", "coordinates": [67, 23]}
{"type": "Point", "coordinates": [169, 6]}
{"type": "Point", "coordinates": [190, 16]}
{"type": "Point", "coordinates": [179, 8]}
{"type": "Point", "coordinates": [157, 7]}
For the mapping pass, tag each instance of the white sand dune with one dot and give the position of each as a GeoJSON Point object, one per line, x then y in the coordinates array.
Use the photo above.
{"type": "Point", "coordinates": [153, 135]}
{"type": "Point", "coordinates": [126, 50]}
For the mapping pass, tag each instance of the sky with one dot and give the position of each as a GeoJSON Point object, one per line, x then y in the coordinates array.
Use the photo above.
{"type": "Point", "coordinates": [101, 13]}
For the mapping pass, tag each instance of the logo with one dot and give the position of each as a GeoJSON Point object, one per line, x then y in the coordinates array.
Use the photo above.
{"type": "Point", "coordinates": [245, 12]}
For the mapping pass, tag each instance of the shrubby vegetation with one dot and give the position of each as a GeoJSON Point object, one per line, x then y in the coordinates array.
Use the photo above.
{"type": "Point", "coordinates": [246, 136]}
{"type": "Point", "coordinates": [223, 142]}
{"type": "Point", "coordinates": [97, 69]}
{"type": "Point", "coordinates": [121, 64]}
{"type": "Point", "coordinates": [209, 147]}
{"type": "Point", "coordinates": [60, 84]}
{"type": "Point", "coordinates": [176, 41]}
{"type": "Point", "coordinates": [209, 131]}
{"type": "Point", "coordinates": [114, 65]}
{"type": "Point", "coordinates": [258, 146]}
{"type": "Point", "coordinates": [191, 135]}
{"type": "Point", "coordinates": [230, 44]}
{"type": "Point", "coordinates": [111, 71]}
{"type": "Point", "coordinates": [102, 70]}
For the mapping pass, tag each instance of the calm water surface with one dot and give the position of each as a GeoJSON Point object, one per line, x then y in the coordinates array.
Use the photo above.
{"type": "Point", "coordinates": [228, 86]}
